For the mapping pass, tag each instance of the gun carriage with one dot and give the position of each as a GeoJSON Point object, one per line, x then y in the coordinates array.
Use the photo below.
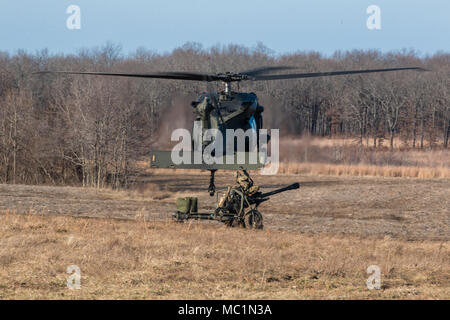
{"type": "Point", "coordinates": [236, 207]}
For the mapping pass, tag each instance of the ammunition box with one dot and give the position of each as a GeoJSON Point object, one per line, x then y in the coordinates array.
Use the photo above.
{"type": "Point", "coordinates": [184, 205]}
{"type": "Point", "coordinates": [187, 205]}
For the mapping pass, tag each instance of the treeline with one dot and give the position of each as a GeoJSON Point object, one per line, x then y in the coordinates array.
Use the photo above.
{"type": "Point", "coordinates": [91, 131]}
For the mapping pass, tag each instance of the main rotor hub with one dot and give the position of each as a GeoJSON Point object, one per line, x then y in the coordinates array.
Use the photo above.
{"type": "Point", "coordinates": [232, 77]}
{"type": "Point", "coordinates": [229, 77]}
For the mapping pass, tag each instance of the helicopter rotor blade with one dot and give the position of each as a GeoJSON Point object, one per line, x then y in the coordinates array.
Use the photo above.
{"type": "Point", "coordinates": [159, 75]}
{"type": "Point", "coordinates": [326, 74]}
{"type": "Point", "coordinates": [253, 74]}
{"type": "Point", "coordinates": [258, 71]}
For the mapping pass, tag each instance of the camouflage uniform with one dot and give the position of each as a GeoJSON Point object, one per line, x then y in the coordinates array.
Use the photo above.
{"type": "Point", "coordinates": [245, 182]}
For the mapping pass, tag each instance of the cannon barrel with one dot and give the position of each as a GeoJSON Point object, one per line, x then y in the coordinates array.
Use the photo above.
{"type": "Point", "coordinates": [289, 187]}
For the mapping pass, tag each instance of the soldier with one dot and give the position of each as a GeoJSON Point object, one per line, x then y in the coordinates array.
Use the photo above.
{"type": "Point", "coordinates": [245, 182]}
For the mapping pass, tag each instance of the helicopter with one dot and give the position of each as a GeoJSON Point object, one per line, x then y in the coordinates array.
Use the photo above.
{"type": "Point", "coordinates": [225, 110]}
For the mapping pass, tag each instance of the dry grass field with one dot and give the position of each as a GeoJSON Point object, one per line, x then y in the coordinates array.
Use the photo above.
{"type": "Point", "coordinates": [345, 157]}
{"type": "Point", "coordinates": [137, 259]}
{"type": "Point", "coordinates": [317, 243]}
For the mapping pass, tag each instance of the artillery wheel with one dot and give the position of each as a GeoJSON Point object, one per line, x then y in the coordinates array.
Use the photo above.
{"type": "Point", "coordinates": [253, 220]}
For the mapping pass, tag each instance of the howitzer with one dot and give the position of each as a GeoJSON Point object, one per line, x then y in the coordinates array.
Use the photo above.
{"type": "Point", "coordinates": [235, 208]}
{"type": "Point", "coordinates": [261, 197]}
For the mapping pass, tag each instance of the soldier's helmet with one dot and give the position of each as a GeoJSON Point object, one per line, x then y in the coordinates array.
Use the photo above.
{"type": "Point", "coordinates": [241, 174]}
{"type": "Point", "coordinates": [243, 178]}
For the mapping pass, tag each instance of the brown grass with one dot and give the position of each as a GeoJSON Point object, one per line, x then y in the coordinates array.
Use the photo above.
{"type": "Point", "coordinates": [364, 170]}
{"type": "Point", "coordinates": [147, 191]}
{"type": "Point", "coordinates": [382, 144]}
{"type": "Point", "coordinates": [319, 156]}
{"type": "Point", "coordinates": [355, 170]}
{"type": "Point", "coordinates": [138, 259]}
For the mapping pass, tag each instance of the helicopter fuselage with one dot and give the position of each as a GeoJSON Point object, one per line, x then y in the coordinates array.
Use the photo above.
{"type": "Point", "coordinates": [234, 110]}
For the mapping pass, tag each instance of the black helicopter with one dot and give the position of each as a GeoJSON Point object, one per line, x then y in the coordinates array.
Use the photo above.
{"type": "Point", "coordinates": [224, 110]}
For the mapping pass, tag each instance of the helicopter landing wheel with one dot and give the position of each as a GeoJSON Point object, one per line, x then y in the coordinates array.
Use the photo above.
{"type": "Point", "coordinates": [253, 220]}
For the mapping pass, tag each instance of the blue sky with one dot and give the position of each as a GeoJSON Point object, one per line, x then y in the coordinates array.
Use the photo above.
{"type": "Point", "coordinates": [282, 25]}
